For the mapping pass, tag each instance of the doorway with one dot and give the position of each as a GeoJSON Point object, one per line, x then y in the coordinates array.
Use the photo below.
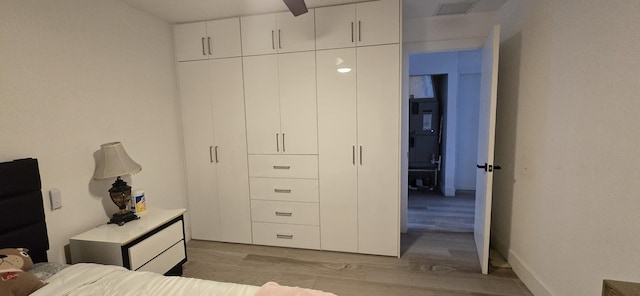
{"type": "Point", "coordinates": [442, 115]}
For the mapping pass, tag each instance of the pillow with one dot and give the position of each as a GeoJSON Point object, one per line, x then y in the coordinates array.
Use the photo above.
{"type": "Point", "coordinates": [13, 280]}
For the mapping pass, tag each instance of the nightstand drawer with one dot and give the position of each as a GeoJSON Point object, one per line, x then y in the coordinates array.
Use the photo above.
{"type": "Point", "coordinates": [286, 235]}
{"type": "Point", "coordinates": [144, 251]}
{"type": "Point", "coordinates": [166, 260]}
{"type": "Point", "coordinates": [305, 213]}
{"type": "Point", "coordinates": [284, 189]}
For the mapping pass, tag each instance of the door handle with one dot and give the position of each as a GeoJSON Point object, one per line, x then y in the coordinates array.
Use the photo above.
{"type": "Point", "coordinates": [209, 43]}
{"type": "Point", "coordinates": [277, 143]}
{"type": "Point", "coordinates": [488, 167]}
{"type": "Point", "coordinates": [203, 52]}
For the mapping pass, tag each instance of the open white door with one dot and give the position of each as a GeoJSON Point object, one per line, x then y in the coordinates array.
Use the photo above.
{"type": "Point", "coordinates": [486, 138]}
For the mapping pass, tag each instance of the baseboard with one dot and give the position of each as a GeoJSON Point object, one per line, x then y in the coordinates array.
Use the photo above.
{"type": "Point", "coordinates": [527, 276]}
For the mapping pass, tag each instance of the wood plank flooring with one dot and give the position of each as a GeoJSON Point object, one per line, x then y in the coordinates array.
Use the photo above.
{"type": "Point", "coordinates": [428, 210]}
{"type": "Point", "coordinates": [432, 263]}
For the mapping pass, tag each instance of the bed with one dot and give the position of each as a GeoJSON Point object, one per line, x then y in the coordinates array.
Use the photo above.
{"type": "Point", "coordinates": [23, 225]}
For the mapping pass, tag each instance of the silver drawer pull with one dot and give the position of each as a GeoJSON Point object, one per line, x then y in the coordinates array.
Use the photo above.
{"type": "Point", "coordinates": [284, 236]}
{"type": "Point", "coordinates": [282, 190]}
{"type": "Point", "coordinates": [284, 214]}
{"type": "Point", "coordinates": [281, 167]}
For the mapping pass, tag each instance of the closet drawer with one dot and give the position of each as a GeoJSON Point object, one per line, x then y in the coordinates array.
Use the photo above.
{"type": "Point", "coordinates": [286, 235]}
{"type": "Point", "coordinates": [284, 166]}
{"type": "Point", "coordinates": [284, 189]}
{"type": "Point", "coordinates": [285, 212]}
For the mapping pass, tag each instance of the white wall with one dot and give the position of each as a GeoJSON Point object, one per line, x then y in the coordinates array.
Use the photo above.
{"type": "Point", "coordinates": [566, 205]}
{"type": "Point", "coordinates": [75, 74]}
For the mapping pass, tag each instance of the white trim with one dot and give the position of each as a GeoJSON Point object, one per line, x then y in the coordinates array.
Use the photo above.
{"type": "Point", "coordinates": [528, 276]}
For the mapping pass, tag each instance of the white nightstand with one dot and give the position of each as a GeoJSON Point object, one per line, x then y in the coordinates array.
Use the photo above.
{"type": "Point", "coordinates": [155, 242]}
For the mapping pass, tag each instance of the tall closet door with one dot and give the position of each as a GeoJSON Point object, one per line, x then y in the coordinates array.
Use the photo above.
{"type": "Point", "coordinates": [230, 152]}
{"type": "Point", "coordinates": [262, 104]}
{"type": "Point", "coordinates": [195, 96]}
{"type": "Point", "coordinates": [299, 127]}
{"type": "Point", "coordinates": [337, 145]}
{"type": "Point", "coordinates": [378, 139]}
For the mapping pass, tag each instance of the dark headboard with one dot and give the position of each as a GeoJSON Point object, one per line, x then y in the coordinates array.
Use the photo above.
{"type": "Point", "coordinates": [22, 220]}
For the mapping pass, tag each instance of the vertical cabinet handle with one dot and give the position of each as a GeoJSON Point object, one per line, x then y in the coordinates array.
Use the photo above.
{"type": "Point", "coordinates": [352, 33]}
{"type": "Point", "coordinates": [209, 43]}
{"type": "Point", "coordinates": [283, 147]}
{"type": "Point", "coordinates": [360, 154]}
{"type": "Point", "coordinates": [359, 31]}
{"type": "Point", "coordinates": [203, 52]}
{"type": "Point", "coordinates": [273, 43]}
{"type": "Point", "coordinates": [210, 154]}
{"type": "Point", "coordinates": [353, 154]}
{"type": "Point", "coordinates": [279, 43]}
{"type": "Point", "coordinates": [216, 153]}
{"type": "Point", "coordinates": [277, 143]}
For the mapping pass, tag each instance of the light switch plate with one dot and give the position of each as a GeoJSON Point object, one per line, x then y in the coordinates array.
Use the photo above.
{"type": "Point", "coordinates": [56, 199]}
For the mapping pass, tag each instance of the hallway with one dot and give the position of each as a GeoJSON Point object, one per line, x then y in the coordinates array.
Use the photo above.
{"type": "Point", "coordinates": [431, 211]}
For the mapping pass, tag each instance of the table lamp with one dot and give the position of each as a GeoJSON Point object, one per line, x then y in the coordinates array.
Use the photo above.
{"type": "Point", "coordinates": [115, 163]}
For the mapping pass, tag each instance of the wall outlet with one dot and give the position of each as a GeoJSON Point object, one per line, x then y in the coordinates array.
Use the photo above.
{"type": "Point", "coordinates": [56, 199]}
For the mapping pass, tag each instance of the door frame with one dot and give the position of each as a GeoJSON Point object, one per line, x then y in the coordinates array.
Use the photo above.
{"type": "Point", "coordinates": [423, 48]}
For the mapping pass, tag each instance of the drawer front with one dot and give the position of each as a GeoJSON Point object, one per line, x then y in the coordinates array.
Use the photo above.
{"type": "Point", "coordinates": [144, 251]}
{"type": "Point", "coordinates": [284, 166]}
{"type": "Point", "coordinates": [284, 189]}
{"type": "Point", "coordinates": [167, 260]}
{"type": "Point", "coordinates": [285, 212]}
{"type": "Point", "coordinates": [286, 235]}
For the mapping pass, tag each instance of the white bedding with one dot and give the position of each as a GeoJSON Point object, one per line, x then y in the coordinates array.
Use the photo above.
{"type": "Point", "coordinates": [106, 280]}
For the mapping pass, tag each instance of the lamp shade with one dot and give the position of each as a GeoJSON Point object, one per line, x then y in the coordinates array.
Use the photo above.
{"type": "Point", "coordinates": [115, 162]}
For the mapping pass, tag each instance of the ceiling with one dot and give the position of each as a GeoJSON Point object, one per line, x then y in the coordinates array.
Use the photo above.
{"type": "Point", "coordinates": [181, 11]}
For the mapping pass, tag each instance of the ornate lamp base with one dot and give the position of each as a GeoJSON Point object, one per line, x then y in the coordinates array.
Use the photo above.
{"type": "Point", "coordinates": [120, 219]}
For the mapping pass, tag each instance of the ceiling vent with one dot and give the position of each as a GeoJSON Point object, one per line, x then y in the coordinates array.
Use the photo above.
{"type": "Point", "coordinates": [454, 8]}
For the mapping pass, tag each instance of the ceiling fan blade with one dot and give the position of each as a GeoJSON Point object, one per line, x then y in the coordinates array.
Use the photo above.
{"type": "Point", "coordinates": [297, 7]}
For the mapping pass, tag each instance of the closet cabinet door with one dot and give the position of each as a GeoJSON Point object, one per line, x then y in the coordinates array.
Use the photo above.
{"type": "Point", "coordinates": [295, 33]}
{"type": "Point", "coordinates": [261, 85]}
{"type": "Point", "coordinates": [207, 40]}
{"type": "Point", "coordinates": [277, 33]}
{"type": "Point", "coordinates": [195, 99]}
{"type": "Point", "coordinates": [361, 24]}
{"type": "Point", "coordinates": [378, 22]}
{"type": "Point", "coordinates": [378, 138]}
{"type": "Point", "coordinates": [298, 115]}
{"type": "Point", "coordinates": [258, 34]}
{"type": "Point", "coordinates": [230, 152]}
{"type": "Point", "coordinates": [336, 26]}
{"type": "Point", "coordinates": [337, 150]}
{"type": "Point", "coordinates": [223, 38]}
{"type": "Point", "coordinates": [190, 41]}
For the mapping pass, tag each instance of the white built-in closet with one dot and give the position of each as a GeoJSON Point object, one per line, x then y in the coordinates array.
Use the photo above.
{"type": "Point", "coordinates": [292, 129]}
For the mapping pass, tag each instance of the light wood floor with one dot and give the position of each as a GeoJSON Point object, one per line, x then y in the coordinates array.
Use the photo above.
{"type": "Point", "coordinates": [432, 263]}
{"type": "Point", "coordinates": [428, 210]}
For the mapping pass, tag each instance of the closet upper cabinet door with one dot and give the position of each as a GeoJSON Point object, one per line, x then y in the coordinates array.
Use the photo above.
{"type": "Point", "coordinates": [259, 34]}
{"type": "Point", "coordinates": [223, 40]}
{"type": "Point", "coordinates": [298, 113]}
{"type": "Point", "coordinates": [378, 22]}
{"type": "Point", "coordinates": [190, 41]}
{"type": "Point", "coordinates": [262, 104]}
{"type": "Point", "coordinates": [295, 33]}
{"type": "Point", "coordinates": [335, 26]}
